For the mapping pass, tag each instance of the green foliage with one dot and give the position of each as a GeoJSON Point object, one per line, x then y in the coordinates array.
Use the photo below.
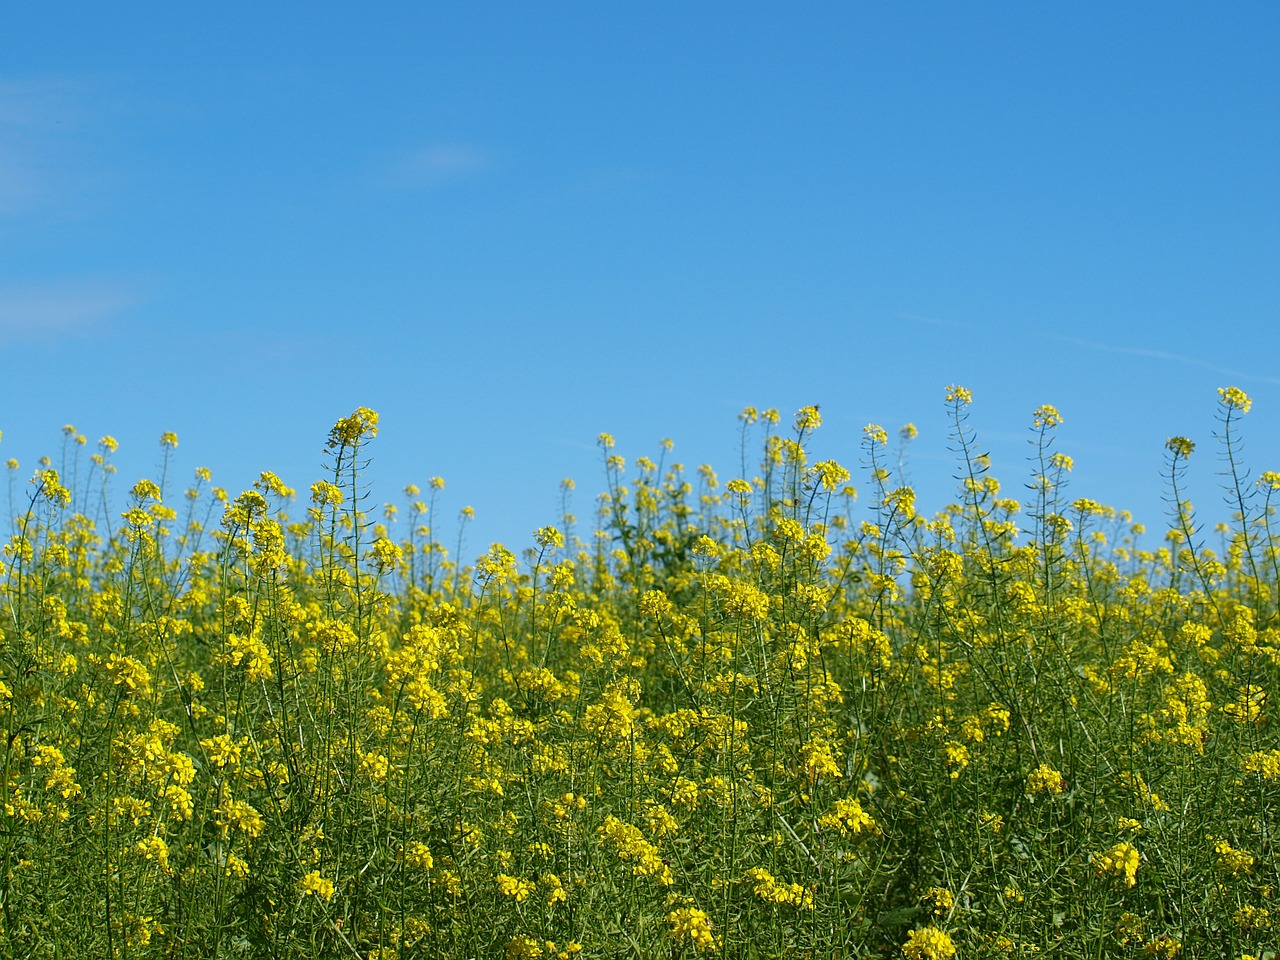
{"type": "Point", "coordinates": [735, 722]}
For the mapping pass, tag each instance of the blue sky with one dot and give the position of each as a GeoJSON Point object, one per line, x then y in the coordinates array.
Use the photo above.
{"type": "Point", "coordinates": [510, 226]}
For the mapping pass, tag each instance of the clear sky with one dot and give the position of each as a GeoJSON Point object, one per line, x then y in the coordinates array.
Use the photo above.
{"type": "Point", "coordinates": [510, 226]}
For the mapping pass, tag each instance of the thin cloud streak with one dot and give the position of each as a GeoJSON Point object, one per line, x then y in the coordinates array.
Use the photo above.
{"type": "Point", "coordinates": [41, 313]}
{"type": "Point", "coordinates": [437, 164]}
{"type": "Point", "coordinates": [19, 184]}
{"type": "Point", "coordinates": [1112, 348]}
{"type": "Point", "coordinates": [38, 102]}
{"type": "Point", "coordinates": [36, 115]}
{"type": "Point", "coordinates": [1158, 355]}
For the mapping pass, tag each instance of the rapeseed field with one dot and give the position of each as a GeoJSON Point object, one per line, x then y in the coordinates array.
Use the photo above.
{"type": "Point", "coordinates": [720, 720]}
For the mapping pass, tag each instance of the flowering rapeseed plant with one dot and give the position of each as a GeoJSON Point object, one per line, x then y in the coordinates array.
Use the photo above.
{"type": "Point", "coordinates": [738, 719]}
{"type": "Point", "coordinates": [1122, 861]}
{"type": "Point", "coordinates": [928, 943]}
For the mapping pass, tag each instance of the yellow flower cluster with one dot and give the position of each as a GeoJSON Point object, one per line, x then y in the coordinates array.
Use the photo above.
{"type": "Point", "coordinates": [1122, 861]}
{"type": "Point", "coordinates": [1264, 764]}
{"type": "Point", "coordinates": [769, 889]}
{"type": "Point", "coordinates": [723, 720]}
{"type": "Point", "coordinates": [632, 847]}
{"type": "Point", "coordinates": [692, 924]}
{"type": "Point", "coordinates": [1045, 779]}
{"type": "Point", "coordinates": [314, 885]}
{"type": "Point", "coordinates": [1234, 398]}
{"type": "Point", "coordinates": [1230, 860]}
{"type": "Point", "coordinates": [847, 816]}
{"type": "Point", "coordinates": [515, 888]}
{"type": "Point", "coordinates": [928, 943]}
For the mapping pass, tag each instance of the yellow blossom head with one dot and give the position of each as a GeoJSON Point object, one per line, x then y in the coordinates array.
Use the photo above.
{"type": "Point", "coordinates": [928, 943]}
{"type": "Point", "coordinates": [808, 418]}
{"type": "Point", "coordinates": [1233, 398]}
{"type": "Point", "coordinates": [351, 431]}
{"type": "Point", "coordinates": [1046, 415]}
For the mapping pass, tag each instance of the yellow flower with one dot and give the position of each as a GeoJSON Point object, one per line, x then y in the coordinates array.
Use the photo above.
{"type": "Point", "coordinates": [633, 847]}
{"type": "Point", "coordinates": [326, 494]}
{"type": "Point", "coordinates": [943, 900]}
{"type": "Point", "coordinates": [556, 892]}
{"type": "Point", "coordinates": [1263, 763]}
{"type": "Point", "coordinates": [128, 673]}
{"type": "Point", "coordinates": [514, 887]}
{"type": "Point", "coordinates": [1122, 861]}
{"type": "Point", "coordinates": [808, 418]}
{"type": "Point", "coordinates": [1047, 415]}
{"type": "Point", "coordinates": [523, 948]}
{"type": "Point", "coordinates": [314, 884]}
{"type": "Point", "coordinates": [386, 555]}
{"type": "Point", "coordinates": [1045, 779]}
{"type": "Point", "coordinates": [548, 537]}
{"type": "Point", "coordinates": [928, 943]}
{"type": "Point", "coordinates": [957, 757]}
{"type": "Point", "coordinates": [1232, 861]}
{"type": "Point", "coordinates": [772, 890]}
{"type": "Point", "coordinates": [236, 867]}
{"type": "Point", "coordinates": [692, 924]}
{"type": "Point", "coordinates": [818, 760]}
{"type": "Point", "coordinates": [374, 766]}
{"type": "Point", "coordinates": [222, 750]}
{"type": "Point", "coordinates": [269, 482]}
{"type": "Point", "coordinates": [155, 850]}
{"type": "Point", "coordinates": [1249, 918]}
{"type": "Point", "coordinates": [49, 486]}
{"type": "Point", "coordinates": [418, 855]}
{"type": "Point", "coordinates": [178, 802]}
{"type": "Point", "coordinates": [849, 818]}
{"type": "Point", "coordinates": [1162, 946]}
{"type": "Point", "coordinates": [1247, 707]}
{"type": "Point", "coordinates": [1233, 398]}
{"type": "Point", "coordinates": [830, 474]}
{"type": "Point", "coordinates": [350, 431]}
{"type": "Point", "coordinates": [238, 815]}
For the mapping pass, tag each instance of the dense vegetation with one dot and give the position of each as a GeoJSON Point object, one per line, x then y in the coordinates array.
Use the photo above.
{"type": "Point", "coordinates": [735, 721]}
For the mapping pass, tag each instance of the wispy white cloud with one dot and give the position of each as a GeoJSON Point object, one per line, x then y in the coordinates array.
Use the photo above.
{"type": "Point", "coordinates": [441, 163]}
{"type": "Point", "coordinates": [1100, 347]}
{"type": "Point", "coordinates": [1159, 355]}
{"type": "Point", "coordinates": [37, 116]}
{"type": "Point", "coordinates": [43, 312]}
{"type": "Point", "coordinates": [20, 184]}
{"type": "Point", "coordinates": [37, 102]}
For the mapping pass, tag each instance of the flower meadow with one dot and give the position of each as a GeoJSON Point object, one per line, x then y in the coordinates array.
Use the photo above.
{"type": "Point", "coordinates": [740, 719]}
